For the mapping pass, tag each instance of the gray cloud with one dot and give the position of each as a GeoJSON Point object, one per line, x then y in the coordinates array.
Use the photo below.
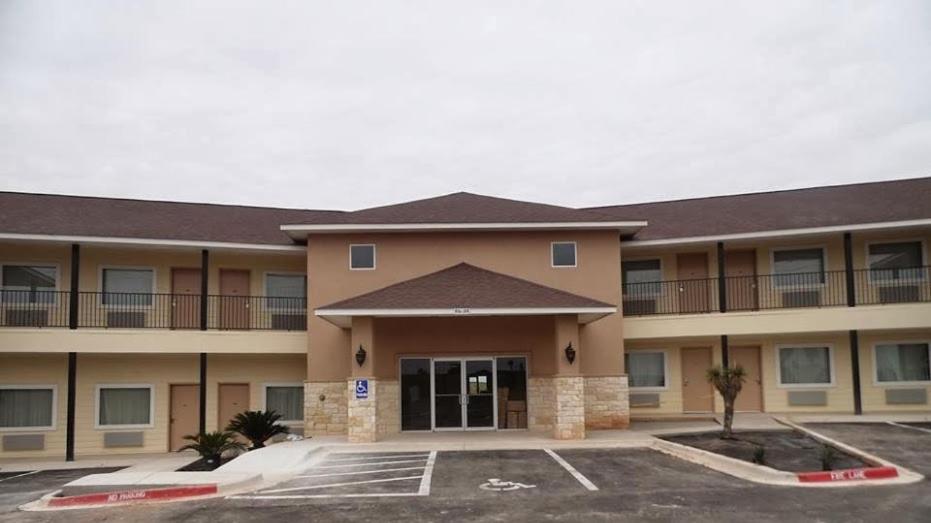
{"type": "Point", "coordinates": [351, 104]}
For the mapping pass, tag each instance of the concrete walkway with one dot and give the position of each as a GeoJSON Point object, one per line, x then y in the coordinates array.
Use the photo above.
{"type": "Point", "coordinates": [137, 462]}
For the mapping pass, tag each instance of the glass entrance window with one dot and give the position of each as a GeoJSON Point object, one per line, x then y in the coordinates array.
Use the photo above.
{"type": "Point", "coordinates": [511, 381]}
{"type": "Point", "coordinates": [415, 394]}
{"type": "Point", "coordinates": [447, 386]}
{"type": "Point", "coordinates": [480, 399]}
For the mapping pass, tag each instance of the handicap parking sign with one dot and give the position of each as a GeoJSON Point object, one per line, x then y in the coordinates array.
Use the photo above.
{"type": "Point", "coordinates": [362, 389]}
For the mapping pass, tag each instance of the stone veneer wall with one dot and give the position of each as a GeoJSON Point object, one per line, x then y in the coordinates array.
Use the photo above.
{"type": "Point", "coordinates": [569, 415]}
{"type": "Point", "coordinates": [541, 402]}
{"type": "Point", "coordinates": [388, 408]}
{"type": "Point", "coordinates": [607, 402]}
{"type": "Point", "coordinates": [326, 416]}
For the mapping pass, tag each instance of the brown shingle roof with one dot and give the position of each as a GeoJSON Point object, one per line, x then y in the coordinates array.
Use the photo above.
{"type": "Point", "coordinates": [111, 217]}
{"type": "Point", "coordinates": [463, 207]}
{"type": "Point", "coordinates": [862, 203]}
{"type": "Point", "coordinates": [465, 286]}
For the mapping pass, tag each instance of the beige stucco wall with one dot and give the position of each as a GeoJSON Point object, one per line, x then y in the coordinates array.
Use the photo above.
{"type": "Point", "coordinates": [404, 256]}
{"type": "Point", "coordinates": [158, 370]}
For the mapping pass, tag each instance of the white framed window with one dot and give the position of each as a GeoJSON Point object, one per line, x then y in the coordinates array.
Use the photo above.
{"type": "Point", "coordinates": [28, 407]}
{"type": "Point", "coordinates": [646, 369]}
{"type": "Point", "coordinates": [797, 268]}
{"type": "Point", "coordinates": [563, 254]}
{"type": "Point", "coordinates": [28, 283]}
{"type": "Point", "coordinates": [285, 291]}
{"type": "Point", "coordinates": [127, 286]}
{"type": "Point", "coordinates": [902, 363]}
{"type": "Point", "coordinates": [362, 257]}
{"type": "Point", "coordinates": [895, 262]}
{"type": "Point", "coordinates": [287, 399]}
{"type": "Point", "coordinates": [124, 406]}
{"type": "Point", "coordinates": [805, 366]}
{"type": "Point", "coordinates": [642, 277]}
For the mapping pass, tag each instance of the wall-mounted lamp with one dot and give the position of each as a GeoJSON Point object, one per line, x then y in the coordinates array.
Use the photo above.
{"type": "Point", "coordinates": [360, 356]}
{"type": "Point", "coordinates": [570, 353]}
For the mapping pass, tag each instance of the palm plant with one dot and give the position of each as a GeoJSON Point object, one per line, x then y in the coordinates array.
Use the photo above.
{"type": "Point", "coordinates": [728, 381]}
{"type": "Point", "coordinates": [257, 426]}
{"type": "Point", "coordinates": [212, 445]}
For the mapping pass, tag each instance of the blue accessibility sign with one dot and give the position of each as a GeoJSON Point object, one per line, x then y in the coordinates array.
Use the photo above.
{"type": "Point", "coordinates": [362, 389]}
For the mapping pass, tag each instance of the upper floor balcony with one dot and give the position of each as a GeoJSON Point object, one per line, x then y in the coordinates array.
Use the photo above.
{"type": "Point", "coordinates": [837, 288]}
{"type": "Point", "coordinates": [39, 308]}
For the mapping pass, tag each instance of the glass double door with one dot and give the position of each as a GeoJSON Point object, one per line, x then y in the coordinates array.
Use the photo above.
{"type": "Point", "coordinates": [463, 393]}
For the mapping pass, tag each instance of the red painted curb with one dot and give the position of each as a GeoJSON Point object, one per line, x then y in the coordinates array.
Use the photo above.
{"type": "Point", "coordinates": [848, 475]}
{"type": "Point", "coordinates": [122, 496]}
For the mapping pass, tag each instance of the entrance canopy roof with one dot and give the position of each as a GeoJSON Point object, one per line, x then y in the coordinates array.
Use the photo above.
{"type": "Point", "coordinates": [464, 290]}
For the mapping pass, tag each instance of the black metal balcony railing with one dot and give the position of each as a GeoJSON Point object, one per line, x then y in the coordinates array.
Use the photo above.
{"type": "Point", "coordinates": [777, 291]}
{"type": "Point", "coordinates": [151, 311]}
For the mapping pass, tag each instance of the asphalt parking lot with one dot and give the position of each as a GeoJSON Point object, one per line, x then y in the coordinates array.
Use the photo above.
{"type": "Point", "coordinates": [522, 485]}
{"type": "Point", "coordinates": [908, 446]}
{"type": "Point", "coordinates": [17, 488]}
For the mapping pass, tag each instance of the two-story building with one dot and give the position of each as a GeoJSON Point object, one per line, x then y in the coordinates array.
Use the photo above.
{"type": "Point", "coordinates": [126, 325]}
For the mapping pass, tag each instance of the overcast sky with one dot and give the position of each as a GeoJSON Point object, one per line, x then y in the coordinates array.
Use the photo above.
{"type": "Point", "coordinates": [352, 104]}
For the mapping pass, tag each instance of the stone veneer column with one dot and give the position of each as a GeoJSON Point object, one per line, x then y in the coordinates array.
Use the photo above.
{"type": "Point", "coordinates": [363, 413]}
{"type": "Point", "coordinates": [569, 419]}
{"type": "Point", "coordinates": [568, 384]}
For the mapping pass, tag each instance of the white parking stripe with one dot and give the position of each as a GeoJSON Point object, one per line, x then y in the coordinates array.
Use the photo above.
{"type": "Point", "coordinates": [346, 484]}
{"type": "Point", "coordinates": [19, 475]}
{"type": "Point", "coordinates": [427, 475]}
{"type": "Point", "coordinates": [904, 426]}
{"type": "Point", "coordinates": [357, 472]}
{"type": "Point", "coordinates": [390, 456]}
{"type": "Point", "coordinates": [369, 464]}
{"type": "Point", "coordinates": [575, 473]}
{"type": "Point", "coordinates": [322, 496]}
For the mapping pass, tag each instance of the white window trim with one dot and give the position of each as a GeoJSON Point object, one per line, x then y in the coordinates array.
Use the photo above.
{"type": "Point", "coordinates": [575, 254]}
{"type": "Point", "coordinates": [265, 386]}
{"type": "Point", "coordinates": [662, 275]}
{"type": "Point", "coordinates": [374, 256]}
{"type": "Point", "coordinates": [102, 386]}
{"type": "Point", "coordinates": [894, 283]}
{"type": "Point", "coordinates": [895, 384]}
{"type": "Point", "coordinates": [21, 386]}
{"type": "Point", "coordinates": [32, 264]}
{"type": "Point", "coordinates": [265, 276]}
{"type": "Point", "coordinates": [831, 366]}
{"type": "Point", "coordinates": [100, 289]}
{"type": "Point", "coordinates": [775, 276]}
{"type": "Point", "coordinates": [665, 353]}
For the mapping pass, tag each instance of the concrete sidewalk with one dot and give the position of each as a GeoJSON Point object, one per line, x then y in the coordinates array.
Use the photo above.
{"type": "Point", "coordinates": [138, 462]}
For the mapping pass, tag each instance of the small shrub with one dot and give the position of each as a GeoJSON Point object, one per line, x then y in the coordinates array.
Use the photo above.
{"type": "Point", "coordinates": [728, 381]}
{"type": "Point", "coordinates": [212, 445]}
{"type": "Point", "coordinates": [257, 426]}
{"type": "Point", "coordinates": [828, 457]}
{"type": "Point", "coordinates": [759, 455]}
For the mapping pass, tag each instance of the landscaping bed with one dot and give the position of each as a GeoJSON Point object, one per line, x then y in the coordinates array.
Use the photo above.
{"type": "Point", "coordinates": [785, 450]}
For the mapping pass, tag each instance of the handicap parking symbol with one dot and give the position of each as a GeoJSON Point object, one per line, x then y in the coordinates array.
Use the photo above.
{"type": "Point", "coordinates": [496, 485]}
{"type": "Point", "coordinates": [362, 389]}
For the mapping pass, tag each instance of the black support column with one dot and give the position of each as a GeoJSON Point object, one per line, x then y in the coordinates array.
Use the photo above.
{"type": "Point", "coordinates": [204, 273]}
{"type": "Point", "coordinates": [848, 271]}
{"type": "Point", "coordinates": [72, 385]}
{"type": "Point", "coordinates": [855, 368]}
{"type": "Point", "coordinates": [854, 335]}
{"type": "Point", "coordinates": [203, 392]}
{"type": "Point", "coordinates": [725, 358]}
{"type": "Point", "coordinates": [722, 284]}
{"type": "Point", "coordinates": [73, 298]}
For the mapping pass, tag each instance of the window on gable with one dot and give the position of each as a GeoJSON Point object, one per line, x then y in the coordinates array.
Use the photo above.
{"type": "Point", "coordinates": [362, 257]}
{"type": "Point", "coordinates": [563, 254]}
